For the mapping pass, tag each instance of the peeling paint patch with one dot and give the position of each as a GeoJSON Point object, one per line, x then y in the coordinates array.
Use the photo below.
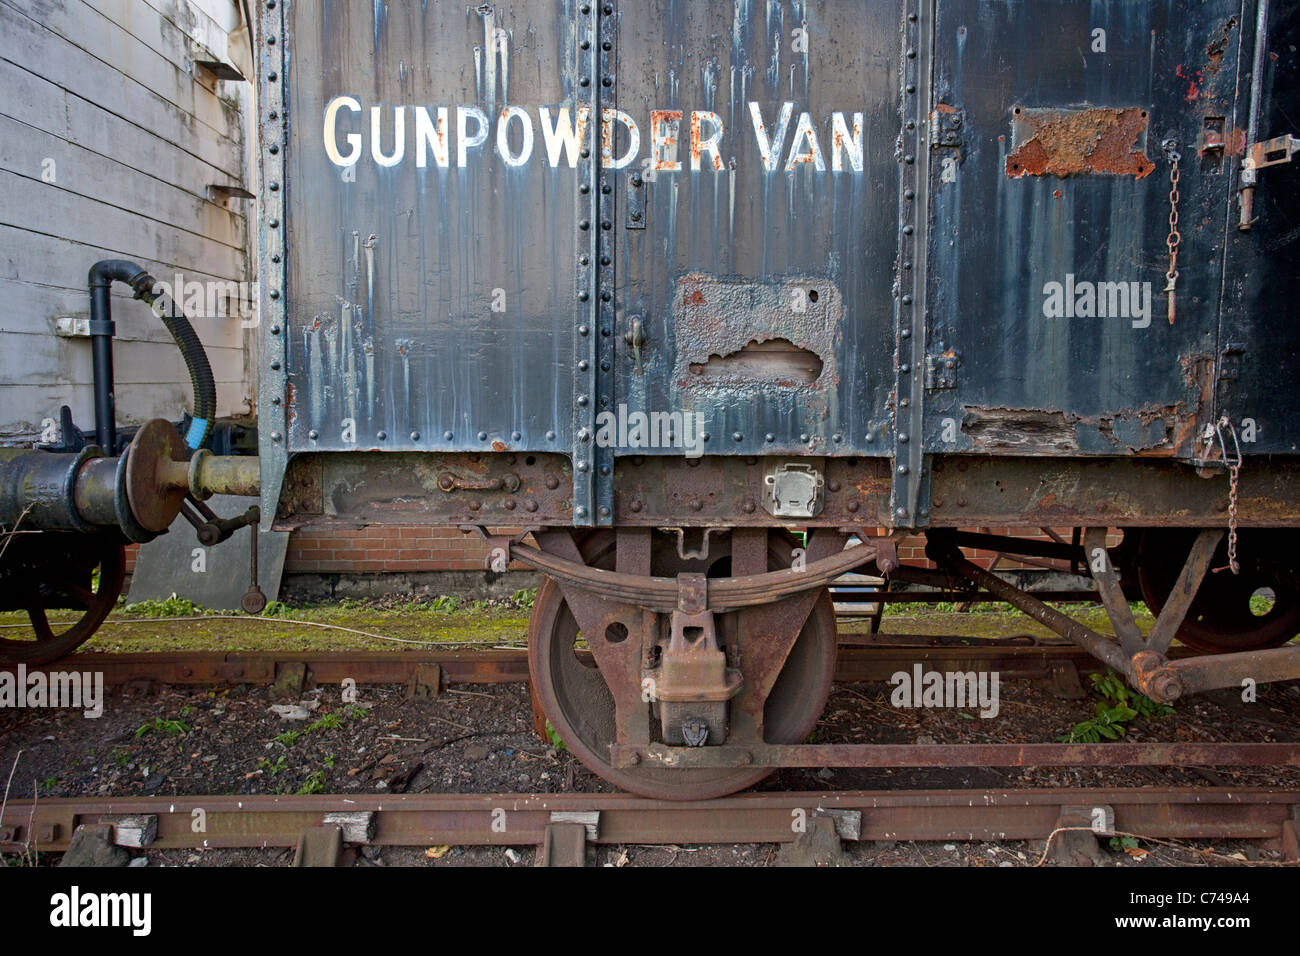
{"type": "Point", "coordinates": [773, 361]}
{"type": "Point", "coordinates": [1062, 143]}
{"type": "Point", "coordinates": [1027, 428]}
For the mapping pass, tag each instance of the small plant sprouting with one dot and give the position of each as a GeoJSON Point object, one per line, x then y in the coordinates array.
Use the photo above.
{"type": "Point", "coordinates": [553, 736]}
{"type": "Point", "coordinates": [288, 738]}
{"type": "Point", "coordinates": [273, 768]}
{"type": "Point", "coordinates": [315, 783]}
{"type": "Point", "coordinates": [324, 722]}
{"type": "Point", "coordinates": [161, 725]}
{"type": "Point", "coordinates": [356, 713]}
{"type": "Point", "coordinates": [1123, 843]}
{"type": "Point", "coordinates": [1119, 706]}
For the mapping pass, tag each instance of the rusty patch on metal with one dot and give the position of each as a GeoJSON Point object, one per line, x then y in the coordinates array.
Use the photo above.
{"type": "Point", "coordinates": [777, 335]}
{"type": "Point", "coordinates": [1062, 143]}
{"type": "Point", "coordinates": [1021, 428]}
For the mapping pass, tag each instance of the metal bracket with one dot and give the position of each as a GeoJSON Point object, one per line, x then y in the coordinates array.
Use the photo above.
{"type": "Point", "coordinates": [946, 124]}
{"type": "Point", "coordinates": [1215, 433]}
{"type": "Point", "coordinates": [941, 369]}
{"type": "Point", "coordinates": [636, 201]}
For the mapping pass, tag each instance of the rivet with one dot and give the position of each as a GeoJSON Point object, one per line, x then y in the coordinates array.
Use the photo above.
{"type": "Point", "coordinates": [904, 402]}
{"type": "Point", "coordinates": [905, 368]}
{"type": "Point", "coordinates": [606, 81]}
{"type": "Point", "coordinates": [911, 19]}
{"type": "Point", "coordinates": [275, 436]}
{"type": "Point", "coordinates": [584, 189]}
{"type": "Point", "coordinates": [902, 439]}
{"type": "Point", "coordinates": [448, 436]}
{"type": "Point", "coordinates": [530, 505]}
{"type": "Point", "coordinates": [582, 467]}
{"type": "Point", "coordinates": [604, 469]}
{"type": "Point", "coordinates": [907, 265]}
{"type": "Point", "coordinates": [584, 435]}
{"type": "Point", "coordinates": [584, 224]}
{"type": "Point", "coordinates": [415, 436]}
{"type": "Point", "coordinates": [271, 76]}
{"type": "Point", "coordinates": [583, 296]}
{"type": "Point", "coordinates": [583, 330]}
{"type": "Point", "coordinates": [482, 436]}
{"type": "Point", "coordinates": [868, 438]}
{"type": "Point", "coordinates": [908, 230]}
{"type": "Point", "coordinates": [909, 159]}
{"type": "Point", "coordinates": [584, 365]}
{"type": "Point", "coordinates": [604, 260]}
{"type": "Point", "coordinates": [604, 512]}
{"type": "Point", "coordinates": [381, 435]}
{"type": "Point", "coordinates": [836, 439]}
{"type": "Point", "coordinates": [550, 436]}
{"type": "Point", "coordinates": [515, 436]}
{"type": "Point", "coordinates": [606, 224]}
{"type": "Point", "coordinates": [704, 436]}
{"type": "Point", "coordinates": [605, 297]}
{"type": "Point", "coordinates": [803, 438]}
{"type": "Point", "coordinates": [552, 482]}
{"type": "Point", "coordinates": [605, 189]}
{"type": "Point", "coordinates": [911, 124]}
{"type": "Point", "coordinates": [275, 399]}
{"type": "Point", "coordinates": [907, 300]}
{"type": "Point", "coordinates": [584, 260]}
{"type": "Point", "coordinates": [275, 187]}
{"type": "Point", "coordinates": [580, 511]}
{"type": "Point", "coordinates": [606, 331]}
{"type": "Point", "coordinates": [607, 46]}
{"type": "Point", "coordinates": [275, 258]}
{"type": "Point", "coordinates": [585, 153]}
{"type": "Point", "coordinates": [911, 54]}
{"type": "Point", "coordinates": [909, 194]}
{"type": "Point", "coordinates": [582, 401]}
{"type": "Point", "coordinates": [852, 507]}
{"type": "Point", "coordinates": [273, 149]}
{"type": "Point", "coordinates": [737, 436]}
{"type": "Point", "coordinates": [604, 367]}
{"type": "Point", "coordinates": [275, 293]}
{"type": "Point", "coordinates": [609, 8]}
{"type": "Point", "coordinates": [769, 438]}
{"type": "Point", "coordinates": [475, 504]}
{"type": "Point", "coordinates": [275, 366]}
{"type": "Point", "coordinates": [911, 88]}
{"type": "Point", "coordinates": [271, 40]}
{"type": "Point", "coordinates": [901, 512]}
{"type": "Point", "coordinates": [902, 469]}
{"type": "Point", "coordinates": [509, 504]}
{"type": "Point", "coordinates": [584, 82]}
{"type": "Point", "coordinates": [585, 44]}
{"type": "Point", "coordinates": [586, 8]}
{"type": "Point", "coordinates": [313, 434]}
{"type": "Point", "coordinates": [275, 330]}
{"type": "Point", "coordinates": [273, 115]}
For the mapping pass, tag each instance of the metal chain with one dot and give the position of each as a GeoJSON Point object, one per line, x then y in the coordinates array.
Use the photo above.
{"type": "Point", "coordinates": [1175, 238]}
{"type": "Point", "coordinates": [1233, 471]}
{"type": "Point", "coordinates": [1232, 461]}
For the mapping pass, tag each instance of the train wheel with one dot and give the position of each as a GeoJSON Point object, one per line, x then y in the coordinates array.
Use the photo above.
{"type": "Point", "coordinates": [47, 571]}
{"type": "Point", "coordinates": [580, 708]}
{"type": "Point", "coordinates": [1223, 618]}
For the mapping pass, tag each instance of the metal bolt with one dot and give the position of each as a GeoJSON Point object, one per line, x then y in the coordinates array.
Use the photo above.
{"type": "Point", "coordinates": [381, 435]}
{"type": "Point", "coordinates": [448, 436]}
{"type": "Point", "coordinates": [313, 434]}
{"type": "Point", "coordinates": [415, 436]}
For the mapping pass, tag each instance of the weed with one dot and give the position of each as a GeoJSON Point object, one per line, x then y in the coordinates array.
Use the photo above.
{"type": "Point", "coordinates": [525, 597]}
{"type": "Point", "coordinates": [356, 713]}
{"type": "Point", "coordinates": [170, 607]}
{"type": "Point", "coordinates": [554, 737]}
{"type": "Point", "coordinates": [276, 609]}
{"type": "Point", "coordinates": [275, 768]}
{"type": "Point", "coordinates": [315, 783]}
{"type": "Point", "coordinates": [445, 603]}
{"type": "Point", "coordinates": [288, 738]}
{"type": "Point", "coordinates": [1119, 706]}
{"type": "Point", "coordinates": [324, 722]}
{"type": "Point", "coordinates": [160, 725]}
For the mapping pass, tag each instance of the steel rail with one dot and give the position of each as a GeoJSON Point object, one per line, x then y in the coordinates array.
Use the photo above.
{"type": "Point", "coordinates": [615, 818]}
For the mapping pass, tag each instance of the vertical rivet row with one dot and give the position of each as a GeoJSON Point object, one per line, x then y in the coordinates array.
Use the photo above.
{"type": "Point", "coordinates": [586, 294]}
{"type": "Point", "coordinates": [910, 476]}
{"type": "Point", "coordinates": [606, 295]}
{"type": "Point", "coordinates": [274, 431]}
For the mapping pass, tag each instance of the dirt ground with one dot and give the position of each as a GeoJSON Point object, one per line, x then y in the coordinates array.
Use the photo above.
{"type": "Point", "coordinates": [480, 739]}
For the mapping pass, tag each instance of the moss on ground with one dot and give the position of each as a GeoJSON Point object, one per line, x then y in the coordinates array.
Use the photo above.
{"type": "Point", "coordinates": [179, 626]}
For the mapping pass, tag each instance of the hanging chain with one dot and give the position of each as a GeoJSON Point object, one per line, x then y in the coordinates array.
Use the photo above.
{"type": "Point", "coordinates": [1175, 239]}
{"type": "Point", "coordinates": [1232, 461]}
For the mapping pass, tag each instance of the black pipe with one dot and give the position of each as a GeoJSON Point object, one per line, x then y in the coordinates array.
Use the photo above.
{"type": "Point", "coordinates": [102, 276]}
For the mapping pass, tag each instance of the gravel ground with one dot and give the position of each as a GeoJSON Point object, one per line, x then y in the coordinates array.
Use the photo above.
{"type": "Point", "coordinates": [479, 739]}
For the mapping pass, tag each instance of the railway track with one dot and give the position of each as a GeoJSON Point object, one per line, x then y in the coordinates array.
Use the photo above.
{"type": "Point", "coordinates": [860, 658]}
{"type": "Point", "coordinates": [320, 826]}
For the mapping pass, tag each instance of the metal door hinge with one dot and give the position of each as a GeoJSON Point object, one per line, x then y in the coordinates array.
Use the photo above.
{"type": "Point", "coordinates": [941, 370]}
{"type": "Point", "coordinates": [946, 123]}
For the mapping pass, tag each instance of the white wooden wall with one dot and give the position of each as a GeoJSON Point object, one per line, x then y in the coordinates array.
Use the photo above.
{"type": "Point", "coordinates": [109, 138]}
